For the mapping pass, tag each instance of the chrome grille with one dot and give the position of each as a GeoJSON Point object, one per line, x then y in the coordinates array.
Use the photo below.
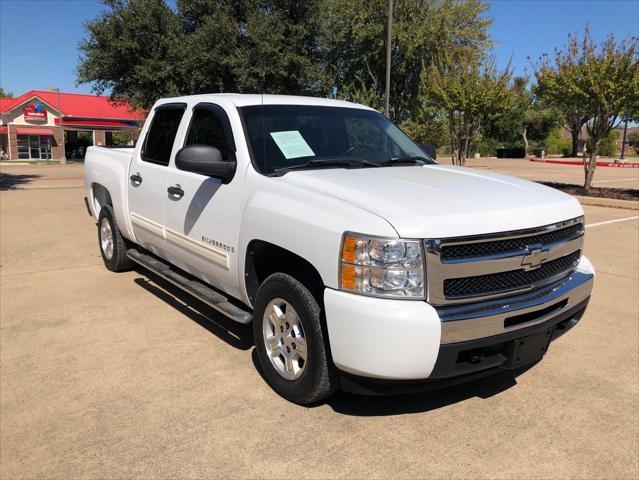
{"type": "Point", "coordinates": [507, 281]}
{"type": "Point", "coordinates": [461, 270]}
{"type": "Point", "coordinates": [482, 249]}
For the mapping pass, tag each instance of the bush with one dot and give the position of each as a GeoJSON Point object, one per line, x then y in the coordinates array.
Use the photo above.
{"type": "Point", "coordinates": [485, 146]}
{"type": "Point", "coordinates": [555, 143]}
{"type": "Point", "coordinates": [566, 151]}
{"type": "Point", "coordinates": [608, 146]}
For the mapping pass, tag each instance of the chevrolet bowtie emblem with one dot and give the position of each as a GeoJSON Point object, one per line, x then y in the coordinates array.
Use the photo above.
{"type": "Point", "coordinates": [535, 257]}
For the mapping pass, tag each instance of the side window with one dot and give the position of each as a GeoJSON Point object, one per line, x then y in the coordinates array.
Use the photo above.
{"type": "Point", "coordinates": [159, 140]}
{"type": "Point", "coordinates": [206, 129]}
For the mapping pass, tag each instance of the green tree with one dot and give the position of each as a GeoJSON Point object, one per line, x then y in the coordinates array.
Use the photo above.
{"type": "Point", "coordinates": [554, 92]}
{"type": "Point", "coordinates": [252, 46]}
{"type": "Point", "coordinates": [354, 46]}
{"type": "Point", "coordinates": [132, 49]}
{"type": "Point", "coordinates": [142, 49]}
{"type": "Point", "coordinates": [603, 80]}
{"type": "Point", "coordinates": [428, 127]}
{"type": "Point", "coordinates": [528, 119]}
{"type": "Point", "coordinates": [470, 90]}
{"type": "Point", "coordinates": [4, 94]}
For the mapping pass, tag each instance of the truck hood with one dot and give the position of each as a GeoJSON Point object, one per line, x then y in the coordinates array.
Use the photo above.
{"type": "Point", "coordinates": [436, 201]}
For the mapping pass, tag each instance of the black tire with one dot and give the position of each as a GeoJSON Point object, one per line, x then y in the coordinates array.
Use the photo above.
{"type": "Point", "coordinates": [118, 262]}
{"type": "Point", "coordinates": [319, 378]}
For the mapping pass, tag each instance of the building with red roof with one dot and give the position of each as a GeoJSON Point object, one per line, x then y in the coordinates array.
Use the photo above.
{"type": "Point", "coordinates": [44, 125]}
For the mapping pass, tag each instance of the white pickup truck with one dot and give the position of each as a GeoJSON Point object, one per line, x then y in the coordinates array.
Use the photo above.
{"type": "Point", "coordinates": [361, 262]}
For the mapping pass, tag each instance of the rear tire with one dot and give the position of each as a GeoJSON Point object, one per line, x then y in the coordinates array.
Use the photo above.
{"type": "Point", "coordinates": [112, 245]}
{"type": "Point", "coordinates": [290, 343]}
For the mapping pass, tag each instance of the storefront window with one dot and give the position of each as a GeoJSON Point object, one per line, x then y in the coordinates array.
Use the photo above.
{"type": "Point", "coordinates": [4, 147]}
{"type": "Point", "coordinates": [34, 147]}
{"type": "Point", "coordinates": [23, 146]}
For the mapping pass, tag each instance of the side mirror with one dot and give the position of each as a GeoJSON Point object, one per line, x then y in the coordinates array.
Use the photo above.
{"type": "Point", "coordinates": [205, 160]}
{"type": "Point", "coordinates": [429, 150]}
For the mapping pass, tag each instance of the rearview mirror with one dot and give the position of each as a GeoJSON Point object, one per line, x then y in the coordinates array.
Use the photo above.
{"type": "Point", "coordinates": [205, 160]}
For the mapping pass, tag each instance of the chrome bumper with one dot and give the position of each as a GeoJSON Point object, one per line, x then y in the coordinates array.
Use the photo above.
{"type": "Point", "coordinates": [486, 319]}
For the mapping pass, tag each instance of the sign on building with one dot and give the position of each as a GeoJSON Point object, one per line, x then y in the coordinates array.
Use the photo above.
{"type": "Point", "coordinates": [35, 112]}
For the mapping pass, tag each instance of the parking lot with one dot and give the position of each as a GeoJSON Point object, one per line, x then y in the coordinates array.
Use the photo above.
{"type": "Point", "coordinates": [108, 375]}
{"type": "Point", "coordinates": [608, 177]}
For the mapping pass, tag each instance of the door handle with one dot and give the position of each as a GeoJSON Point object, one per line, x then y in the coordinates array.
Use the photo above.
{"type": "Point", "coordinates": [176, 191]}
{"type": "Point", "coordinates": [136, 179]}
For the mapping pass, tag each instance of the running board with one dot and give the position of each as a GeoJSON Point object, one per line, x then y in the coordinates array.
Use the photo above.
{"type": "Point", "coordinates": [193, 287]}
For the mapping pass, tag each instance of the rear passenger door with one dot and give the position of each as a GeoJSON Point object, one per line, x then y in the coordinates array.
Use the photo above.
{"type": "Point", "coordinates": [147, 177]}
{"type": "Point", "coordinates": [202, 221]}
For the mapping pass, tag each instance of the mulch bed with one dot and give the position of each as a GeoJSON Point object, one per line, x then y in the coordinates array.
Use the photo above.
{"type": "Point", "coordinates": [598, 192]}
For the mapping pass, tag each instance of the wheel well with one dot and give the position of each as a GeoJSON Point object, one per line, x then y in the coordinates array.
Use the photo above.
{"type": "Point", "coordinates": [264, 258]}
{"type": "Point", "coordinates": [101, 197]}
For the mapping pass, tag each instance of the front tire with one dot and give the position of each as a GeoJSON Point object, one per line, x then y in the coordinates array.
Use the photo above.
{"type": "Point", "coordinates": [290, 343]}
{"type": "Point", "coordinates": [112, 245]}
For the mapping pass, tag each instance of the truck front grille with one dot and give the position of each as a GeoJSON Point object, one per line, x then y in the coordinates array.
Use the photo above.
{"type": "Point", "coordinates": [497, 247]}
{"type": "Point", "coordinates": [508, 281]}
{"type": "Point", "coordinates": [468, 269]}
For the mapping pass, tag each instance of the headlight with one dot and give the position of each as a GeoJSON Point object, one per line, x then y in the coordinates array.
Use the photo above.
{"type": "Point", "coordinates": [382, 267]}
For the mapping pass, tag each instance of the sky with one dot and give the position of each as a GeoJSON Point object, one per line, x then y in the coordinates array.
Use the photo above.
{"type": "Point", "coordinates": [38, 38]}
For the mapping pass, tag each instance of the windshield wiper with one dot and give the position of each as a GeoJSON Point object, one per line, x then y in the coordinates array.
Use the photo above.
{"type": "Point", "coordinates": [321, 162]}
{"type": "Point", "coordinates": [417, 159]}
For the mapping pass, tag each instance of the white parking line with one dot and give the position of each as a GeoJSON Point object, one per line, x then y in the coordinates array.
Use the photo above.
{"type": "Point", "coordinates": [617, 180]}
{"type": "Point", "coordinates": [626, 219]}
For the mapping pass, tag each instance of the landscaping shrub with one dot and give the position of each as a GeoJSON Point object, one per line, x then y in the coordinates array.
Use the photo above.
{"type": "Point", "coordinates": [555, 143]}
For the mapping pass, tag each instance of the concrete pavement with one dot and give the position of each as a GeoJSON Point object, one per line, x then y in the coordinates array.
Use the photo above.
{"type": "Point", "coordinates": [108, 375]}
{"type": "Point", "coordinates": [608, 177]}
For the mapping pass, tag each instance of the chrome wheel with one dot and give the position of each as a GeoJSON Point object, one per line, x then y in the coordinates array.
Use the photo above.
{"type": "Point", "coordinates": [106, 238]}
{"type": "Point", "coordinates": [284, 339]}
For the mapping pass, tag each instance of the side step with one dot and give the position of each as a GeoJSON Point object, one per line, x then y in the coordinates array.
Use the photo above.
{"type": "Point", "coordinates": [197, 289]}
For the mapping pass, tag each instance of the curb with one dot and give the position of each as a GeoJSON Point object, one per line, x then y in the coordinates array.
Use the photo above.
{"type": "Point", "coordinates": [608, 202]}
{"type": "Point", "coordinates": [580, 163]}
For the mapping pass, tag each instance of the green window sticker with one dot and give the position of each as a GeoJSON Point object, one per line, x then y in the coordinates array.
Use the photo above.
{"type": "Point", "coordinates": [292, 144]}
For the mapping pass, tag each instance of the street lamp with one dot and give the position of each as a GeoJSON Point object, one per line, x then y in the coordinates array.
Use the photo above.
{"type": "Point", "coordinates": [389, 29]}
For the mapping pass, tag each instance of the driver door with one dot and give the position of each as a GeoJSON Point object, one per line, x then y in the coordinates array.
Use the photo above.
{"type": "Point", "coordinates": [202, 213]}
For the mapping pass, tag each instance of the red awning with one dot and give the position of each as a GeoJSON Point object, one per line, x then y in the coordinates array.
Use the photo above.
{"type": "Point", "coordinates": [34, 131]}
{"type": "Point", "coordinates": [4, 130]}
{"type": "Point", "coordinates": [69, 122]}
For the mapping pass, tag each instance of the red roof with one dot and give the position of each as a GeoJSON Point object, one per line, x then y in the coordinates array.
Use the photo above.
{"type": "Point", "coordinates": [77, 105]}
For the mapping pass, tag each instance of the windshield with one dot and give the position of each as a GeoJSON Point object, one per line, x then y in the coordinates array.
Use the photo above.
{"type": "Point", "coordinates": [284, 137]}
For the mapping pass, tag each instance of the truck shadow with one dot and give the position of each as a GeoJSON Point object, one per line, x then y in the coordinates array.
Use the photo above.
{"type": "Point", "coordinates": [386, 405]}
{"type": "Point", "coordinates": [368, 406]}
{"type": "Point", "coordinates": [235, 334]}
{"type": "Point", "coordinates": [9, 181]}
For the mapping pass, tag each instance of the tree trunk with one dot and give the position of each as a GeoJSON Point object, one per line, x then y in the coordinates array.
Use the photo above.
{"type": "Point", "coordinates": [574, 125]}
{"type": "Point", "coordinates": [523, 134]}
{"type": "Point", "coordinates": [575, 144]}
{"type": "Point", "coordinates": [592, 163]}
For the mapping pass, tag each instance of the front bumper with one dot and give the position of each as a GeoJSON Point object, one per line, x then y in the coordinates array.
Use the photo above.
{"type": "Point", "coordinates": [414, 341]}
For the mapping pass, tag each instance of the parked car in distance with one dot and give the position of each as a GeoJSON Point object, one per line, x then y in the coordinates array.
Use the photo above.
{"type": "Point", "coordinates": [361, 263]}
